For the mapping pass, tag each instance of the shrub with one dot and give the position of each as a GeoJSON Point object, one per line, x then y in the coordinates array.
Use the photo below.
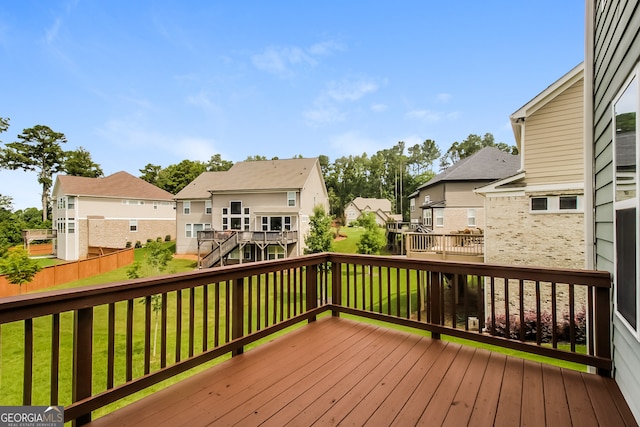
{"type": "Point", "coordinates": [563, 329]}
{"type": "Point", "coordinates": [128, 245]}
{"type": "Point", "coordinates": [159, 239]}
{"type": "Point", "coordinates": [167, 238]}
{"type": "Point", "coordinates": [138, 244]}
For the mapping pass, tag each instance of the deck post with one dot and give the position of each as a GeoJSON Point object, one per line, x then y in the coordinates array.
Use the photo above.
{"type": "Point", "coordinates": [237, 327]}
{"type": "Point", "coordinates": [312, 289]}
{"type": "Point", "coordinates": [82, 359]}
{"type": "Point", "coordinates": [602, 329]}
{"type": "Point", "coordinates": [434, 302]}
{"type": "Point", "coordinates": [336, 286]}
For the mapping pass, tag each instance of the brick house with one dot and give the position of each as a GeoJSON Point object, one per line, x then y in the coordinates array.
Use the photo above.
{"type": "Point", "coordinates": [536, 216]}
{"type": "Point", "coordinates": [254, 211]}
{"type": "Point", "coordinates": [447, 202]}
{"type": "Point", "coordinates": [108, 212]}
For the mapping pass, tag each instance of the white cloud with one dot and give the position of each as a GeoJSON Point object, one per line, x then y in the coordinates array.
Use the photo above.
{"type": "Point", "coordinates": [425, 115]}
{"type": "Point", "coordinates": [379, 108]}
{"type": "Point", "coordinates": [329, 106]}
{"type": "Point", "coordinates": [282, 61]}
{"type": "Point", "coordinates": [51, 33]}
{"type": "Point", "coordinates": [349, 90]}
{"type": "Point", "coordinates": [444, 97]}
{"type": "Point", "coordinates": [279, 61]}
{"type": "Point", "coordinates": [353, 143]}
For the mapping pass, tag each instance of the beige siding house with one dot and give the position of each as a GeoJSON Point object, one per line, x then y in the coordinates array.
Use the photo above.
{"type": "Point", "coordinates": [381, 208]}
{"type": "Point", "coordinates": [108, 212]}
{"type": "Point", "coordinates": [536, 216]}
{"type": "Point", "coordinates": [447, 203]}
{"type": "Point", "coordinates": [264, 206]}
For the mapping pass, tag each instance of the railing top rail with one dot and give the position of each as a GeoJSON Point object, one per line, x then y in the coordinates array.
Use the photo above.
{"type": "Point", "coordinates": [51, 302]}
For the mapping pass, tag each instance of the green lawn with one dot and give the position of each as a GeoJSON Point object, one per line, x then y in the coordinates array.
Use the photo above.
{"type": "Point", "coordinates": [346, 243]}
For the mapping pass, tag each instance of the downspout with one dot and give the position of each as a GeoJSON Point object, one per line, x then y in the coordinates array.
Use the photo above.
{"type": "Point", "coordinates": [589, 160]}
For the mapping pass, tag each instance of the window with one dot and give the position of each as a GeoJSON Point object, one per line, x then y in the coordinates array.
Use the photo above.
{"type": "Point", "coordinates": [71, 226]}
{"type": "Point", "coordinates": [287, 223]}
{"type": "Point", "coordinates": [207, 207]}
{"type": "Point", "coordinates": [235, 217]}
{"type": "Point", "coordinates": [471, 217]}
{"type": "Point", "coordinates": [291, 198]}
{"type": "Point", "coordinates": [61, 203]}
{"type": "Point", "coordinates": [539, 203]}
{"type": "Point", "coordinates": [225, 223]}
{"type": "Point", "coordinates": [71, 202]}
{"type": "Point", "coordinates": [427, 217]}
{"type": "Point", "coordinates": [186, 207]}
{"type": "Point", "coordinates": [439, 214]}
{"type": "Point", "coordinates": [568, 203]}
{"type": "Point", "coordinates": [427, 198]}
{"type": "Point", "coordinates": [412, 204]}
{"type": "Point", "coordinates": [265, 223]}
{"type": "Point", "coordinates": [191, 230]}
{"type": "Point", "coordinates": [133, 225]}
{"type": "Point", "coordinates": [625, 160]}
{"type": "Point", "coordinates": [236, 223]}
{"type": "Point", "coordinates": [236, 208]}
{"type": "Point", "coordinates": [275, 252]}
{"type": "Point", "coordinates": [155, 205]}
{"type": "Point", "coordinates": [246, 223]}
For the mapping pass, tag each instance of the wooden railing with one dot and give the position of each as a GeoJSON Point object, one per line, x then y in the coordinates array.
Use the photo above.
{"type": "Point", "coordinates": [97, 343]}
{"type": "Point", "coordinates": [451, 244]}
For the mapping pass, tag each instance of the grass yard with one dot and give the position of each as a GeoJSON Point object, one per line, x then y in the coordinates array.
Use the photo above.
{"type": "Point", "coordinates": [346, 244]}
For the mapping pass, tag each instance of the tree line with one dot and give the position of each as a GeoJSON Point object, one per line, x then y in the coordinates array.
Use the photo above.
{"type": "Point", "coordinates": [392, 173]}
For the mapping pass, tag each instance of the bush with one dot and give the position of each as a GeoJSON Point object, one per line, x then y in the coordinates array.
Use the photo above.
{"type": "Point", "coordinates": [159, 239]}
{"type": "Point", "coordinates": [563, 329]}
{"type": "Point", "coordinates": [167, 238]}
{"type": "Point", "coordinates": [138, 244]}
{"type": "Point", "coordinates": [128, 245]}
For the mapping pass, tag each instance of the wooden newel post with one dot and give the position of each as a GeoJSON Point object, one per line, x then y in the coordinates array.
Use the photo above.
{"type": "Point", "coordinates": [82, 355]}
{"type": "Point", "coordinates": [434, 302]}
{"type": "Point", "coordinates": [237, 329]}
{"type": "Point", "coordinates": [336, 286]}
{"type": "Point", "coordinates": [312, 289]}
{"type": "Point", "coordinates": [602, 327]}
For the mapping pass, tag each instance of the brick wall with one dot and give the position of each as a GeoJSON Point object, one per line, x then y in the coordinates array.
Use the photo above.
{"type": "Point", "coordinates": [116, 234]}
{"type": "Point", "coordinates": [514, 236]}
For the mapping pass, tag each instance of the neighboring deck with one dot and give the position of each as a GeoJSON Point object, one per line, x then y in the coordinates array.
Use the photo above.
{"type": "Point", "coordinates": [337, 371]}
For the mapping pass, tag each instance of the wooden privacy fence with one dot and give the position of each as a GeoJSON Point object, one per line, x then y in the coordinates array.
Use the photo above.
{"type": "Point", "coordinates": [62, 273]}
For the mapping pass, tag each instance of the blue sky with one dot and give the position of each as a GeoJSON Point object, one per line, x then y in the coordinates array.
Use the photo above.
{"type": "Point", "coordinates": [138, 82]}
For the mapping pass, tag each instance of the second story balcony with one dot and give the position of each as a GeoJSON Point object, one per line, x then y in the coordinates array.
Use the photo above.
{"type": "Point", "coordinates": [314, 339]}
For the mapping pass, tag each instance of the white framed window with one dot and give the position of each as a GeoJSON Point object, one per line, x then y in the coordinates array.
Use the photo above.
{"type": "Point", "coordinates": [191, 230]}
{"type": "Point", "coordinates": [71, 226]}
{"type": "Point", "coordinates": [155, 205]}
{"type": "Point", "coordinates": [71, 202]}
{"type": "Point", "coordinates": [626, 206]}
{"type": "Point", "coordinates": [439, 214]}
{"type": "Point", "coordinates": [61, 203]}
{"type": "Point", "coordinates": [207, 207]}
{"type": "Point", "coordinates": [471, 217]}
{"type": "Point", "coordinates": [412, 204]}
{"type": "Point", "coordinates": [186, 207]}
{"type": "Point", "coordinates": [427, 217]}
{"type": "Point", "coordinates": [133, 225]}
{"type": "Point", "coordinates": [275, 252]}
{"type": "Point", "coordinates": [291, 198]}
{"type": "Point", "coordinates": [571, 203]}
{"type": "Point", "coordinates": [427, 198]}
{"type": "Point", "coordinates": [235, 217]}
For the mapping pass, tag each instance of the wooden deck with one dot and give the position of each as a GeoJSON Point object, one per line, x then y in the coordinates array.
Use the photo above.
{"type": "Point", "coordinates": [337, 371]}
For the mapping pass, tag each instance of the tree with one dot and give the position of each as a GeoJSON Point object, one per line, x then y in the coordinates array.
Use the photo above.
{"type": "Point", "coordinates": [4, 124]}
{"type": "Point", "coordinates": [216, 163]}
{"type": "Point", "coordinates": [79, 163]}
{"type": "Point", "coordinates": [174, 178]}
{"type": "Point", "coordinates": [156, 259]}
{"type": "Point", "coordinates": [372, 239]}
{"type": "Point", "coordinates": [255, 158]}
{"type": "Point", "coordinates": [150, 173]}
{"type": "Point", "coordinates": [319, 238]}
{"type": "Point", "coordinates": [18, 267]}
{"type": "Point", "coordinates": [38, 150]}
{"type": "Point", "coordinates": [471, 145]}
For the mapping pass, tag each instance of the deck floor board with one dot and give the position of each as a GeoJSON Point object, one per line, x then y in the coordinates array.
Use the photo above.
{"type": "Point", "coordinates": [338, 371]}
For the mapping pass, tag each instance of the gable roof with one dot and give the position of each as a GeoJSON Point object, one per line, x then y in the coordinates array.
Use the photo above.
{"type": "Point", "coordinates": [383, 205]}
{"type": "Point", "coordinates": [488, 164]}
{"type": "Point", "coordinates": [120, 184]}
{"type": "Point", "coordinates": [543, 98]}
{"type": "Point", "coordinates": [288, 174]}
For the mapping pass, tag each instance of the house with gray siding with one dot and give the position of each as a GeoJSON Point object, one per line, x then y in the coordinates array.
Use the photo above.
{"type": "Point", "coordinates": [612, 103]}
{"type": "Point", "coordinates": [447, 203]}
